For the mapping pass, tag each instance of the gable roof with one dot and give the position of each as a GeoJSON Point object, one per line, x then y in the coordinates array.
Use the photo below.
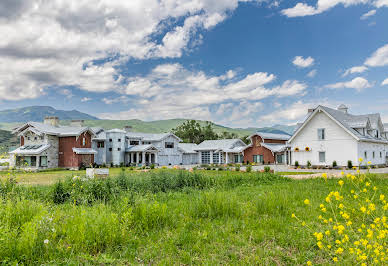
{"type": "Point", "coordinates": [61, 131]}
{"type": "Point", "coordinates": [267, 135]}
{"type": "Point", "coordinates": [187, 147]}
{"type": "Point", "coordinates": [150, 136]}
{"type": "Point", "coordinates": [220, 144]}
{"type": "Point", "coordinates": [140, 148]}
{"type": "Point", "coordinates": [274, 147]}
{"type": "Point", "coordinates": [348, 122]}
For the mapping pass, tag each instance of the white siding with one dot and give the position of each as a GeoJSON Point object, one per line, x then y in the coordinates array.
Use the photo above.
{"type": "Point", "coordinates": [369, 148]}
{"type": "Point", "coordinates": [115, 156]}
{"type": "Point", "coordinates": [169, 156]}
{"type": "Point", "coordinates": [338, 144]}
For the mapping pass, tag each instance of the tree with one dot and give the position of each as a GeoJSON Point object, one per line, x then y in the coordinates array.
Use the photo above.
{"type": "Point", "coordinates": [192, 132]}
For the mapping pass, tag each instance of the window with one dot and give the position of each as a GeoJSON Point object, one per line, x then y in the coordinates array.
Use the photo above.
{"type": "Point", "coordinates": [169, 145]}
{"type": "Point", "coordinates": [35, 138]}
{"type": "Point", "coordinates": [133, 143]}
{"type": "Point", "coordinates": [381, 155]}
{"type": "Point", "coordinates": [110, 140]}
{"type": "Point", "coordinates": [100, 144]}
{"type": "Point", "coordinates": [146, 142]}
{"type": "Point", "coordinates": [43, 161]}
{"type": "Point", "coordinates": [322, 156]}
{"type": "Point", "coordinates": [205, 157]}
{"type": "Point", "coordinates": [377, 134]}
{"type": "Point", "coordinates": [216, 157]}
{"type": "Point", "coordinates": [83, 141]}
{"type": "Point", "coordinates": [365, 155]}
{"type": "Point", "coordinates": [110, 149]}
{"type": "Point", "coordinates": [279, 158]}
{"type": "Point", "coordinates": [258, 158]}
{"type": "Point", "coordinates": [373, 155]}
{"type": "Point", "coordinates": [41, 137]}
{"type": "Point", "coordinates": [29, 138]}
{"type": "Point", "coordinates": [119, 149]}
{"type": "Point", "coordinates": [321, 133]}
{"type": "Point", "coordinates": [119, 140]}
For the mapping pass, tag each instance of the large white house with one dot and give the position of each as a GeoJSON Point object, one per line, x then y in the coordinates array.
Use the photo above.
{"type": "Point", "coordinates": [221, 151]}
{"type": "Point", "coordinates": [329, 135]}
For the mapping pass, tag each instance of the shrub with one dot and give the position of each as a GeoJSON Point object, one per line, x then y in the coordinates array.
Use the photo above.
{"type": "Point", "coordinates": [249, 168]}
{"type": "Point", "coordinates": [59, 193]}
{"type": "Point", "coordinates": [296, 164]}
{"type": "Point", "coordinates": [334, 164]}
{"type": "Point", "coordinates": [152, 166]}
{"type": "Point", "coordinates": [350, 164]}
{"type": "Point", "coordinates": [237, 167]}
{"type": "Point", "coordinates": [267, 169]}
{"type": "Point", "coordinates": [308, 164]}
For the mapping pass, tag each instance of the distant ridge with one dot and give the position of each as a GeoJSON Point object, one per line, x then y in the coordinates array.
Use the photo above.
{"type": "Point", "coordinates": [38, 113]}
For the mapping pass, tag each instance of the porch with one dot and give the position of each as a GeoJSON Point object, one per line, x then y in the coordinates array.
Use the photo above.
{"type": "Point", "coordinates": [141, 155]}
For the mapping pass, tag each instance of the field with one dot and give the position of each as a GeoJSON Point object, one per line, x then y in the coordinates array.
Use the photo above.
{"type": "Point", "coordinates": [166, 217]}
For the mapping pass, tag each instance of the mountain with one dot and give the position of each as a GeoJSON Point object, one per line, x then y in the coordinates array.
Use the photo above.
{"type": "Point", "coordinates": [38, 113]}
{"type": "Point", "coordinates": [7, 140]}
{"type": "Point", "coordinates": [290, 129]}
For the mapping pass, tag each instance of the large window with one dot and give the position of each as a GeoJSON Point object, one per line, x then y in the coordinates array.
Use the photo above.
{"type": "Point", "coordinates": [258, 158]}
{"type": "Point", "coordinates": [279, 158]}
{"type": "Point", "coordinates": [205, 157]}
{"type": "Point", "coordinates": [321, 133]}
{"type": "Point", "coordinates": [238, 158]}
{"type": "Point", "coordinates": [26, 161]}
{"type": "Point", "coordinates": [322, 156]}
{"type": "Point", "coordinates": [43, 161]}
{"type": "Point", "coordinates": [217, 157]}
{"type": "Point", "coordinates": [169, 145]}
{"type": "Point", "coordinates": [100, 144]}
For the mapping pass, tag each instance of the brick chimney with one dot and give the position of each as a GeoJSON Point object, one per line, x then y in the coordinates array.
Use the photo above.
{"type": "Point", "coordinates": [51, 120]}
{"type": "Point", "coordinates": [77, 123]}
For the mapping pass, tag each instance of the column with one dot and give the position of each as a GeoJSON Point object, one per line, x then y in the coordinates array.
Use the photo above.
{"type": "Point", "coordinates": [143, 158]}
{"type": "Point", "coordinates": [226, 158]}
{"type": "Point", "coordinates": [132, 157]}
{"type": "Point", "coordinates": [219, 158]}
{"type": "Point", "coordinates": [37, 161]}
{"type": "Point", "coordinates": [285, 157]}
{"type": "Point", "coordinates": [137, 158]}
{"type": "Point", "coordinates": [199, 158]}
{"type": "Point", "coordinates": [156, 158]}
{"type": "Point", "coordinates": [211, 157]}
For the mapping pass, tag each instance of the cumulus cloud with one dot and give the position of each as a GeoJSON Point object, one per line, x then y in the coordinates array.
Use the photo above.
{"type": "Point", "coordinates": [358, 84]}
{"type": "Point", "coordinates": [299, 61]}
{"type": "Point", "coordinates": [170, 90]}
{"type": "Point", "coordinates": [378, 58]}
{"type": "Point", "coordinates": [368, 14]}
{"type": "Point", "coordinates": [356, 69]}
{"type": "Point", "coordinates": [312, 73]}
{"type": "Point", "coordinates": [86, 99]}
{"type": "Point", "coordinates": [302, 9]}
{"type": "Point", "coordinates": [385, 82]}
{"type": "Point", "coordinates": [48, 43]}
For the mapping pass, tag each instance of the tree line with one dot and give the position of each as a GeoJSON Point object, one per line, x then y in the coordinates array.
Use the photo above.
{"type": "Point", "coordinates": [192, 132]}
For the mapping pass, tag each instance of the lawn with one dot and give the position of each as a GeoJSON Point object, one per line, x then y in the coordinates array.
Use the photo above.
{"type": "Point", "coordinates": [165, 217]}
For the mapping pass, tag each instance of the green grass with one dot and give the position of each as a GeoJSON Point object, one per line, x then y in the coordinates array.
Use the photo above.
{"type": "Point", "coordinates": [163, 217]}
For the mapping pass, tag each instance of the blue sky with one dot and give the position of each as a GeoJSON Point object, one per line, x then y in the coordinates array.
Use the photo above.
{"type": "Point", "coordinates": [237, 63]}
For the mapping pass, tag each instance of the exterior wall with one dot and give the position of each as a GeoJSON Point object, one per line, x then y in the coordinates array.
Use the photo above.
{"type": "Point", "coordinates": [338, 145]}
{"type": "Point", "coordinates": [115, 156]}
{"type": "Point", "coordinates": [168, 156]}
{"type": "Point", "coordinates": [189, 158]}
{"type": "Point", "coordinates": [369, 148]}
{"type": "Point", "coordinates": [67, 158]}
{"type": "Point", "coordinates": [100, 157]}
{"type": "Point", "coordinates": [257, 149]}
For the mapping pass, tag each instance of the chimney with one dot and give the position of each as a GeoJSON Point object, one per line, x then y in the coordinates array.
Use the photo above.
{"type": "Point", "coordinates": [343, 108]}
{"type": "Point", "coordinates": [77, 123]}
{"type": "Point", "coordinates": [51, 120]}
{"type": "Point", "coordinates": [310, 110]}
{"type": "Point", "coordinates": [128, 129]}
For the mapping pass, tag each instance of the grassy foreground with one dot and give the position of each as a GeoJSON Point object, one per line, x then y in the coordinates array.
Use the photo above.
{"type": "Point", "coordinates": [164, 217]}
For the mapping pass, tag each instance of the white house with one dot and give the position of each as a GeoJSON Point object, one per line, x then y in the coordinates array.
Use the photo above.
{"type": "Point", "coordinates": [189, 155]}
{"type": "Point", "coordinates": [221, 151]}
{"type": "Point", "coordinates": [329, 135]}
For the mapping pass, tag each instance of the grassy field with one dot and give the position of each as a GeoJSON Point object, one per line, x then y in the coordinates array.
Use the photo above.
{"type": "Point", "coordinates": [166, 217]}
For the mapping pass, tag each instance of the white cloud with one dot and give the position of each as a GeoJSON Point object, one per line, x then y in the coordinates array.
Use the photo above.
{"type": "Point", "coordinates": [86, 99]}
{"type": "Point", "coordinates": [385, 82]}
{"type": "Point", "coordinates": [68, 93]}
{"type": "Point", "coordinates": [312, 73]}
{"type": "Point", "coordinates": [381, 3]}
{"type": "Point", "coordinates": [289, 88]}
{"type": "Point", "coordinates": [121, 99]}
{"type": "Point", "coordinates": [302, 9]}
{"type": "Point", "coordinates": [358, 84]}
{"type": "Point", "coordinates": [378, 58]}
{"type": "Point", "coordinates": [56, 43]}
{"type": "Point", "coordinates": [299, 61]}
{"type": "Point", "coordinates": [356, 69]}
{"type": "Point", "coordinates": [368, 14]}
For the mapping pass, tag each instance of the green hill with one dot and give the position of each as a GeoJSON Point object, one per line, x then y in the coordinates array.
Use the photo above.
{"type": "Point", "coordinates": [7, 140]}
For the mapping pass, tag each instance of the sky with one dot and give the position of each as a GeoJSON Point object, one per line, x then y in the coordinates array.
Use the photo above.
{"type": "Point", "coordinates": [237, 63]}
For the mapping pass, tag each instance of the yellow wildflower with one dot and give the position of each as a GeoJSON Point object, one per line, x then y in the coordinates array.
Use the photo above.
{"type": "Point", "coordinates": [306, 201]}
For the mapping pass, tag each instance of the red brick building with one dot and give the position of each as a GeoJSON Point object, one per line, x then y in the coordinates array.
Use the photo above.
{"type": "Point", "coordinates": [267, 148]}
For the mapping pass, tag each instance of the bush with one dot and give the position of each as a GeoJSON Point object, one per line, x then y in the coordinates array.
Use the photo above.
{"type": "Point", "coordinates": [237, 167]}
{"type": "Point", "coordinates": [249, 168]}
{"type": "Point", "coordinates": [59, 193]}
{"type": "Point", "coordinates": [334, 164]}
{"type": "Point", "coordinates": [350, 164]}
{"type": "Point", "coordinates": [308, 164]}
{"type": "Point", "coordinates": [296, 164]}
{"type": "Point", "coordinates": [267, 169]}
{"type": "Point", "coordinates": [152, 166]}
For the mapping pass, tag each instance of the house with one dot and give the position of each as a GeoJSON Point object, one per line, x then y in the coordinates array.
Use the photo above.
{"type": "Point", "coordinates": [329, 135]}
{"type": "Point", "coordinates": [267, 148]}
{"type": "Point", "coordinates": [49, 145]}
{"type": "Point", "coordinates": [122, 146]}
{"type": "Point", "coordinates": [189, 155]}
{"type": "Point", "coordinates": [221, 151]}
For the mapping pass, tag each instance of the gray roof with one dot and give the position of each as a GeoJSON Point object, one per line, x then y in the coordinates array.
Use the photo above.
{"type": "Point", "coordinates": [140, 148]}
{"type": "Point", "coordinates": [220, 144]}
{"type": "Point", "coordinates": [348, 121]}
{"type": "Point", "coordinates": [116, 130]}
{"type": "Point", "coordinates": [275, 147]}
{"type": "Point", "coordinates": [54, 130]}
{"type": "Point", "coordinates": [148, 136]}
{"type": "Point", "coordinates": [31, 149]}
{"type": "Point", "coordinates": [188, 147]}
{"type": "Point", "coordinates": [267, 135]}
{"type": "Point", "coordinates": [84, 151]}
